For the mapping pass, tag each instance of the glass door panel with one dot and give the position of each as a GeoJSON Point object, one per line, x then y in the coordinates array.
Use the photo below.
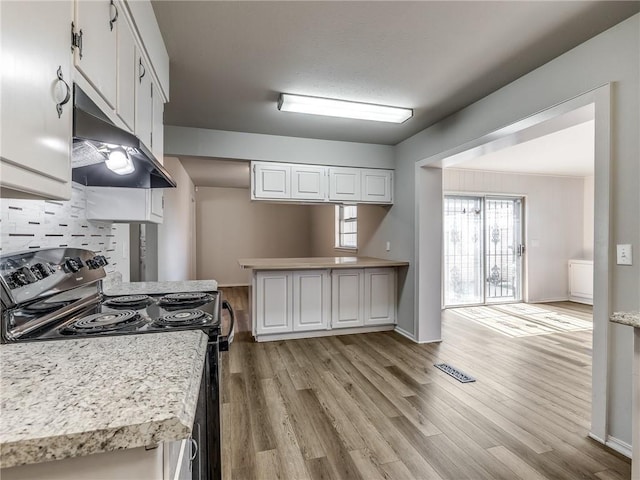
{"type": "Point", "coordinates": [463, 250]}
{"type": "Point", "coordinates": [503, 254]}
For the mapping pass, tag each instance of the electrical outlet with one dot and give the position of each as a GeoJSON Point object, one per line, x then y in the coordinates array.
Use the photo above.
{"type": "Point", "coordinates": [624, 254]}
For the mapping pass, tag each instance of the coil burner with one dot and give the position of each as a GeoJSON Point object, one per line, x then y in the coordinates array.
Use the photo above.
{"type": "Point", "coordinates": [184, 299]}
{"type": "Point", "coordinates": [129, 301]}
{"type": "Point", "coordinates": [183, 318]}
{"type": "Point", "coordinates": [102, 322]}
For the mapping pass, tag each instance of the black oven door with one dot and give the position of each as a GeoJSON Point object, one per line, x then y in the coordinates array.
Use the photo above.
{"type": "Point", "coordinates": [198, 452]}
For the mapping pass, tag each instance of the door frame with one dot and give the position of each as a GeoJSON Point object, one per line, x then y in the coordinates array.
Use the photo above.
{"type": "Point", "coordinates": [428, 234]}
{"type": "Point", "coordinates": [523, 241]}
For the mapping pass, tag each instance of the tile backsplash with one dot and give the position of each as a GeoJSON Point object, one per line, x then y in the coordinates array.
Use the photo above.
{"type": "Point", "coordinates": [32, 224]}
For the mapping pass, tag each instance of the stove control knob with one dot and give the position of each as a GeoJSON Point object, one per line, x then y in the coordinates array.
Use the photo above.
{"type": "Point", "coordinates": [41, 270]}
{"type": "Point", "coordinates": [37, 273]}
{"type": "Point", "coordinates": [23, 277]}
{"type": "Point", "coordinates": [102, 260]}
{"type": "Point", "coordinates": [74, 264]}
{"type": "Point", "coordinates": [92, 263]}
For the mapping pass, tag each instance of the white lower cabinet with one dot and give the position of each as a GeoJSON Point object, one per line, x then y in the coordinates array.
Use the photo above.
{"type": "Point", "coordinates": [274, 302]}
{"type": "Point", "coordinates": [311, 300]}
{"type": "Point", "coordinates": [347, 288]}
{"type": "Point", "coordinates": [379, 296]}
{"type": "Point", "coordinates": [295, 301]}
{"type": "Point", "coordinates": [140, 463]}
{"type": "Point", "coordinates": [287, 303]}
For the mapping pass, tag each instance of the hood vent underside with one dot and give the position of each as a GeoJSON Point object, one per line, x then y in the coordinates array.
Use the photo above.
{"type": "Point", "coordinates": [95, 136]}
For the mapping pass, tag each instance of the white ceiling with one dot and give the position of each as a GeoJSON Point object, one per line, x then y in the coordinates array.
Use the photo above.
{"type": "Point", "coordinates": [567, 152]}
{"type": "Point", "coordinates": [231, 59]}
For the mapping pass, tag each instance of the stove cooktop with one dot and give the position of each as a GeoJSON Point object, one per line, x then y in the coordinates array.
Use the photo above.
{"type": "Point", "coordinates": [135, 314]}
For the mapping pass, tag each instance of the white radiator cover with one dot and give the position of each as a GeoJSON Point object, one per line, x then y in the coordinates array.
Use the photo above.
{"type": "Point", "coordinates": [581, 281]}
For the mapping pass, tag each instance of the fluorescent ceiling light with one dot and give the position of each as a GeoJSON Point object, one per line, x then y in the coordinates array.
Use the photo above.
{"type": "Point", "coordinates": [340, 108]}
{"type": "Point", "coordinates": [119, 162]}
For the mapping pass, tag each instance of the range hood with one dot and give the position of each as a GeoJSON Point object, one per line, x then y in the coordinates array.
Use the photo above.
{"type": "Point", "coordinates": [95, 136]}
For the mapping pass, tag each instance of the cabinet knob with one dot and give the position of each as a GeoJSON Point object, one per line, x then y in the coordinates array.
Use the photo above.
{"type": "Point", "coordinates": [67, 96]}
{"type": "Point", "coordinates": [141, 70]}
{"type": "Point", "coordinates": [113, 19]}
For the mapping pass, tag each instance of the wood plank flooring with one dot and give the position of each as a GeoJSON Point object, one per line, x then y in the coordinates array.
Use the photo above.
{"type": "Point", "coordinates": [372, 406]}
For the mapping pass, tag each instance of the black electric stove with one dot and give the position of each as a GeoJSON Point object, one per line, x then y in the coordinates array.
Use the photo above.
{"type": "Point", "coordinates": [55, 294]}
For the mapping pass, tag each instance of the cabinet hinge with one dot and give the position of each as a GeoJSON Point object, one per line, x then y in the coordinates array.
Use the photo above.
{"type": "Point", "coordinates": [152, 90]}
{"type": "Point", "coordinates": [76, 39]}
{"type": "Point", "coordinates": [151, 139]}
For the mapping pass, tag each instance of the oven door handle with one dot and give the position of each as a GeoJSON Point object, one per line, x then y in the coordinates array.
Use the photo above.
{"type": "Point", "coordinates": [225, 341]}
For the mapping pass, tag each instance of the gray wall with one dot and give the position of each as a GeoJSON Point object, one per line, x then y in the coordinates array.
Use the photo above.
{"type": "Point", "coordinates": [230, 226]}
{"type": "Point", "coordinates": [272, 148]}
{"type": "Point", "coordinates": [553, 235]}
{"type": "Point", "coordinates": [176, 242]}
{"type": "Point", "coordinates": [612, 56]}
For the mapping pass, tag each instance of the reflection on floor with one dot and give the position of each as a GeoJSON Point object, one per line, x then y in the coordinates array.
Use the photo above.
{"type": "Point", "coordinates": [524, 320]}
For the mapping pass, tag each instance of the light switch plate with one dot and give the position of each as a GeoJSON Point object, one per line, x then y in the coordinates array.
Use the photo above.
{"type": "Point", "coordinates": [624, 255]}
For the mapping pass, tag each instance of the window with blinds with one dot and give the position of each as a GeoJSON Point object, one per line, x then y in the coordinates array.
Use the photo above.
{"type": "Point", "coordinates": [346, 226]}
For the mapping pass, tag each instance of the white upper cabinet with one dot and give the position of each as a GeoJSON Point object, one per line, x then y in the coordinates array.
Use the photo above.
{"type": "Point", "coordinates": [96, 26]}
{"type": "Point", "coordinates": [308, 182]}
{"type": "Point", "coordinates": [271, 180]}
{"type": "Point", "coordinates": [157, 128]}
{"type": "Point", "coordinates": [376, 186]}
{"type": "Point", "coordinates": [319, 183]}
{"type": "Point", "coordinates": [35, 94]}
{"type": "Point", "coordinates": [126, 75]}
{"type": "Point", "coordinates": [144, 102]}
{"type": "Point", "coordinates": [116, 204]}
{"type": "Point", "coordinates": [344, 184]}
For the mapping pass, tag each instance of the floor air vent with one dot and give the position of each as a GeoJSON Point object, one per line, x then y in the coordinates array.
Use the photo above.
{"type": "Point", "coordinates": [455, 373]}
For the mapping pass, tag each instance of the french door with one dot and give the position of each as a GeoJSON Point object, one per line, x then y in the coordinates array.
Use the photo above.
{"type": "Point", "coordinates": [483, 249]}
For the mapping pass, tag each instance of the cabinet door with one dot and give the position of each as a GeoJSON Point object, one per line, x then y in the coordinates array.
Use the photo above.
{"type": "Point", "coordinates": [157, 128]}
{"type": "Point", "coordinates": [377, 186]}
{"type": "Point", "coordinates": [347, 297]}
{"type": "Point", "coordinates": [308, 183]}
{"type": "Point", "coordinates": [379, 296]}
{"type": "Point", "coordinates": [273, 302]}
{"type": "Point", "coordinates": [311, 300]}
{"type": "Point", "coordinates": [144, 102]}
{"type": "Point", "coordinates": [271, 180]}
{"type": "Point", "coordinates": [157, 204]}
{"type": "Point", "coordinates": [35, 141]}
{"type": "Point", "coordinates": [126, 87]}
{"type": "Point", "coordinates": [344, 184]}
{"type": "Point", "coordinates": [96, 59]}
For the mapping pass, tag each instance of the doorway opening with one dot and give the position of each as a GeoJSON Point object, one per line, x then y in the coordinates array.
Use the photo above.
{"type": "Point", "coordinates": [483, 248]}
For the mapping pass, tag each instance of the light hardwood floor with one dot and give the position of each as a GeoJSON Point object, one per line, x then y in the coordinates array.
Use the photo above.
{"type": "Point", "coordinates": [372, 406]}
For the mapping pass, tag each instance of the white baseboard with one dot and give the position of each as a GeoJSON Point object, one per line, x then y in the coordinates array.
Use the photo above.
{"type": "Point", "coordinates": [410, 336]}
{"type": "Point", "coordinates": [614, 444]}
{"type": "Point", "coordinates": [406, 334]}
{"type": "Point", "coordinates": [586, 301]}
{"type": "Point", "coordinates": [322, 333]}
{"type": "Point", "coordinates": [553, 299]}
{"type": "Point", "coordinates": [619, 446]}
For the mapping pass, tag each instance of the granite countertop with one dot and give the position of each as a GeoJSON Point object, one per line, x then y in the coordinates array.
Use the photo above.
{"type": "Point", "coordinates": [150, 288]}
{"type": "Point", "coordinates": [627, 318]}
{"type": "Point", "coordinates": [67, 398]}
{"type": "Point", "coordinates": [317, 262]}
